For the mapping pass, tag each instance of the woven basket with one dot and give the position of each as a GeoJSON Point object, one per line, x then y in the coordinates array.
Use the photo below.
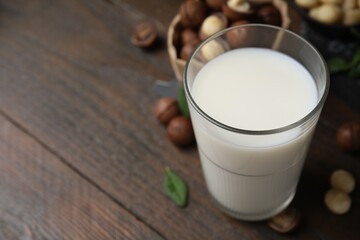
{"type": "Point", "coordinates": [290, 20]}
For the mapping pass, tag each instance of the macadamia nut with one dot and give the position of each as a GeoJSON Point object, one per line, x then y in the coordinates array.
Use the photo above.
{"type": "Point", "coordinates": [211, 25]}
{"type": "Point", "coordinates": [239, 5]}
{"type": "Point", "coordinates": [351, 17]}
{"type": "Point", "coordinates": [212, 49]}
{"type": "Point", "coordinates": [342, 180]}
{"type": "Point", "coordinates": [307, 3]}
{"type": "Point", "coordinates": [285, 221]}
{"type": "Point", "coordinates": [337, 201]}
{"type": "Point", "coordinates": [326, 13]}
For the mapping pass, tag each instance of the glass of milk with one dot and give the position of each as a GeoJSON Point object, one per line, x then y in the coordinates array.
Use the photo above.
{"type": "Point", "coordinates": [254, 101]}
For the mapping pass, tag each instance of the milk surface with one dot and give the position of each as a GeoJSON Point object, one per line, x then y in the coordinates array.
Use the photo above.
{"type": "Point", "coordinates": [253, 176]}
{"type": "Point", "coordinates": [255, 89]}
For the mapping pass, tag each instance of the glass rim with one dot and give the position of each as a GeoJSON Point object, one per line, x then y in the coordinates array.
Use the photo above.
{"type": "Point", "coordinates": [302, 120]}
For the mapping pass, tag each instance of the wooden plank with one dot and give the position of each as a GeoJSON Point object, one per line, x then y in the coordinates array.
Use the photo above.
{"type": "Point", "coordinates": [71, 78]}
{"type": "Point", "coordinates": [42, 198]}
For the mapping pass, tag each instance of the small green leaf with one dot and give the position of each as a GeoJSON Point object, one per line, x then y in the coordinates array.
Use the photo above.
{"type": "Point", "coordinates": [355, 60]}
{"type": "Point", "coordinates": [337, 65]}
{"type": "Point", "coordinates": [355, 71]}
{"type": "Point", "coordinates": [184, 108]}
{"type": "Point", "coordinates": [175, 188]}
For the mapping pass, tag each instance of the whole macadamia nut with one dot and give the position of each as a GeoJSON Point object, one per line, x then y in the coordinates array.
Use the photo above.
{"type": "Point", "coordinates": [180, 131]}
{"type": "Point", "coordinates": [342, 180]}
{"type": "Point", "coordinates": [215, 4]}
{"type": "Point", "coordinates": [337, 202]}
{"type": "Point", "coordinates": [192, 13]}
{"type": "Point", "coordinates": [307, 3]}
{"type": "Point", "coordinates": [239, 37]}
{"type": "Point", "coordinates": [188, 35]}
{"type": "Point", "coordinates": [188, 49]}
{"type": "Point", "coordinates": [269, 15]}
{"type": "Point", "coordinates": [348, 136]}
{"type": "Point", "coordinates": [166, 109]}
{"type": "Point", "coordinates": [326, 13]}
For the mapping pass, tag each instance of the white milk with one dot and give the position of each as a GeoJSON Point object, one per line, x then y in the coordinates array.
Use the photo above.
{"type": "Point", "coordinates": [253, 176]}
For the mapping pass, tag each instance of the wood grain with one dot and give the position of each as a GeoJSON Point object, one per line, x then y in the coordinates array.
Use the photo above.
{"type": "Point", "coordinates": [42, 198]}
{"type": "Point", "coordinates": [71, 79]}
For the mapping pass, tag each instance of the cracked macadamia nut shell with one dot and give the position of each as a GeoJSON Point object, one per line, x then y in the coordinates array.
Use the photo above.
{"type": "Point", "coordinates": [285, 221]}
{"type": "Point", "coordinates": [234, 14]}
{"type": "Point", "coordinates": [144, 35]}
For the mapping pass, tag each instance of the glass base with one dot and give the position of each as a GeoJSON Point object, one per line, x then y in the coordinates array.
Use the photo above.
{"type": "Point", "coordinates": [253, 217]}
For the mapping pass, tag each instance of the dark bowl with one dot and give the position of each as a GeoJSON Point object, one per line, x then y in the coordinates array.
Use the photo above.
{"type": "Point", "coordinates": [333, 31]}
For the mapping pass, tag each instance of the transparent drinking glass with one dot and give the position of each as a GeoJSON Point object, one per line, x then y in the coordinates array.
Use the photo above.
{"type": "Point", "coordinates": [253, 175]}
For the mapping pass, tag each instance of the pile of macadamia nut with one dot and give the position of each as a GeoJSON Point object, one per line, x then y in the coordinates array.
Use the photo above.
{"type": "Point", "coordinates": [179, 127]}
{"type": "Point", "coordinates": [340, 12]}
{"type": "Point", "coordinates": [201, 18]}
{"type": "Point", "coordinates": [337, 199]}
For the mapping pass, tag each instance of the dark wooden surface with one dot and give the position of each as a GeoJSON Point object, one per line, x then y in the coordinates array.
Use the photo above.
{"type": "Point", "coordinates": [81, 155]}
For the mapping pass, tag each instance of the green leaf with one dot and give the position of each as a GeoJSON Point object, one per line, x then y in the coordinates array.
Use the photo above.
{"type": "Point", "coordinates": [184, 108]}
{"type": "Point", "coordinates": [355, 71]}
{"type": "Point", "coordinates": [337, 65]}
{"type": "Point", "coordinates": [355, 60]}
{"type": "Point", "coordinates": [175, 188]}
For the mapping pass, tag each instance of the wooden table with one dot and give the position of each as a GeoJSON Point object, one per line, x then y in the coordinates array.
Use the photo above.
{"type": "Point", "coordinates": [81, 155]}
